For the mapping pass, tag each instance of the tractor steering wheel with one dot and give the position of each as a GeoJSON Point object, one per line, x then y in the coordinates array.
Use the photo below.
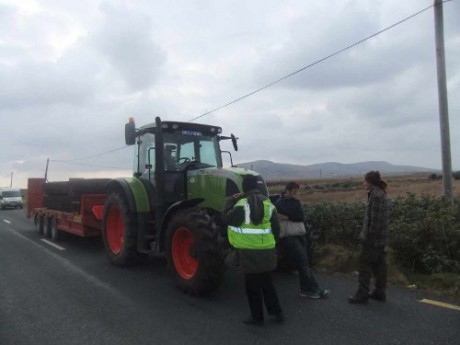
{"type": "Point", "coordinates": [183, 160]}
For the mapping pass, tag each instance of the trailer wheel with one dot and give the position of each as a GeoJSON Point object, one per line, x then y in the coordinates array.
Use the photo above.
{"type": "Point", "coordinates": [39, 224]}
{"type": "Point", "coordinates": [119, 232]}
{"type": "Point", "coordinates": [54, 231]}
{"type": "Point", "coordinates": [47, 226]}
{"type": "Point", "coordinates": [43, 225]}
{"type": "Point", "coordinates": [195, 253]}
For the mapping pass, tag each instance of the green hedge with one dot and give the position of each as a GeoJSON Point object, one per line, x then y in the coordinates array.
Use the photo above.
{"type": "Point", "coordinates": [424, 231]}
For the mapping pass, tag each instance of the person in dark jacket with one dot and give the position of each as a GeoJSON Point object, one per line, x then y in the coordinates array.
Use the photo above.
{"type": "Point", "coordinates": [374, 237]}
{"type": "Point", "coordinates": [290, 213]}
{"type": "Point", "coordinates": [252, 231]}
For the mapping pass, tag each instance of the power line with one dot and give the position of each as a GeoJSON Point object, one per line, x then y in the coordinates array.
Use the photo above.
{"type": "Point", "coordinates": [314, 63]}
{"type": "Point", "coordinates": [89, 165]}
{"type": "Point", "coordinates": [88, 157]}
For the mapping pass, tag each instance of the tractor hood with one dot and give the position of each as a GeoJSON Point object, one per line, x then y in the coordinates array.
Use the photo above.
{"type": "Point", "coordinates": [214, 185]}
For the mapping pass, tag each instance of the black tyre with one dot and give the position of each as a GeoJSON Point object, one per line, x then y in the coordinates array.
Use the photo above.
{"type": "Point", "coordinates": [54, 231]}
{"type": "Point", "coordinates": [47, 226]}
{"type": "Point", "coordinates": [88, 186]}
{"type": "Point", "coordinates": [119, 232]}
{"type": "Point", "coordinates": [195, 252]}
{"type": "Point", "coordinates": [56, 188]}
{"type": "Point", "coordinates": [57, 202]}
{"type": "Point", "coordinates": [39, 224]}
{"type": "Point", "coordinates": [42, 226]}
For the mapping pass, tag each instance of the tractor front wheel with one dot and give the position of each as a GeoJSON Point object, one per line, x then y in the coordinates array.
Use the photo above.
{"type": "Point", "coordinates": [194, 251]}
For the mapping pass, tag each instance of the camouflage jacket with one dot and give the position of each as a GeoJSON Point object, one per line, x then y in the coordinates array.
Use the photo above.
{"type": "Point", "coordinates": [375, 227]}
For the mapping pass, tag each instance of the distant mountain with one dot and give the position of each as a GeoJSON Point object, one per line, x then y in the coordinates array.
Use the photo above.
{"type": "Point", "coordinates": [276, 171]}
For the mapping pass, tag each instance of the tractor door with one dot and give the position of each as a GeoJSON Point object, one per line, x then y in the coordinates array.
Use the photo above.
{"type": "Point", "coordinates": [174, 178]}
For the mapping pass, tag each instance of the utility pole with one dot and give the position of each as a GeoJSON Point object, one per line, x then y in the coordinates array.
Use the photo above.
{"type": "Point", "coordinates": [11, 180]}
{"type": "Point", "coordinates": [443, 105]}
{"type": "Point", "coordinates": [46, 170]}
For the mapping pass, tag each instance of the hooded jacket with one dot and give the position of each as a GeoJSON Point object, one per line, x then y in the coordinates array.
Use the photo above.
{"type": "Point", "coordinates": [290, 207]}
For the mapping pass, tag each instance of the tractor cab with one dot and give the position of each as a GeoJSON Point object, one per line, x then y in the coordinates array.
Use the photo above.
{"type": "Point", "coordinates": [184, 147]}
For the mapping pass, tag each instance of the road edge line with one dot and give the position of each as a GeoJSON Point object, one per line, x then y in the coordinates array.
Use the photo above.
{"type": "Point", "coordinates": [440, 304]}
{"type": "Point", "coordinates": [52, 244]}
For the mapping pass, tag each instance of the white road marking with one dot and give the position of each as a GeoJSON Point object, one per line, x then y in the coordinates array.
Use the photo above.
{"type": "Point", "coordinates": [6, 221]}
{"type": "Point", "coordinates": [75, 269]}
{"type": "Point", "coordinates": [52, 244]}
{"type": "Point", "coordinates": [440, 304]}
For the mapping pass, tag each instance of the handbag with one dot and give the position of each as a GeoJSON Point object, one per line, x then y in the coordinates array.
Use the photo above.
{"type": "Point", "coordinates": [288, 228]}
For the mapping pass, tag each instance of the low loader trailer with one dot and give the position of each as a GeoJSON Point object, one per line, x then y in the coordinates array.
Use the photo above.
{"type": "Point", "coordinates": [52, 216]}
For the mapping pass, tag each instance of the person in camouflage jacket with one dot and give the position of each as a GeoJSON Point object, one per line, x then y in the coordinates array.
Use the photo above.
{"type": "Point", "coordinates": [374, 237]}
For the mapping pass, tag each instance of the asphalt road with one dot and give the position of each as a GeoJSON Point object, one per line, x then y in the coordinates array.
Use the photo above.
{"type": "Point", "coordinates": [74, 296]}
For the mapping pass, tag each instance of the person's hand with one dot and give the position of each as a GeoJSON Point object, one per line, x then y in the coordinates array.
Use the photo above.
{"type": "Point", "coordinates": [282, 217]}
{"type": "Point", "coordinates": [237, 195]}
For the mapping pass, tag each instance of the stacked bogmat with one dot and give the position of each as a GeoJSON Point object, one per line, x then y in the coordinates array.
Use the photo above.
{"type": "Point", "coordinates": [66, 195]}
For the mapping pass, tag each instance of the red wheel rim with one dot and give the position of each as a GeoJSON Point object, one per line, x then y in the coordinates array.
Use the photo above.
{"type": "Point", "coordinates": [115, 230]}
{"type": "Point", "coordinates": [182, 241]}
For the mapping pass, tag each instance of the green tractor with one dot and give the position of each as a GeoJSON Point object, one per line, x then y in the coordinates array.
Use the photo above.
{"type": "Point", "coordinates": [173, 204]}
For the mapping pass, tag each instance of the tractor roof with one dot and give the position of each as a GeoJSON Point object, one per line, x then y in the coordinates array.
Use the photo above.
{"type": "Point", "coordinates": [184, 126]}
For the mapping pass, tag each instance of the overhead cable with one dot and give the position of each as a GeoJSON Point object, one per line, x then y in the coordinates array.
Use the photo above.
{"type": "Point", "coordinates": [88, 157]}
{"type": "Point", "coordinates": [88, 165]}
{"type": "Point", "coordinates": [313, 64]}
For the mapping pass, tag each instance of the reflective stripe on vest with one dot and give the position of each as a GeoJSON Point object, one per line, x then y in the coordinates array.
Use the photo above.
{"type": "Point", "coordinates": [249, 235]}
{"type": "Point", "coordinates": [250, 231]}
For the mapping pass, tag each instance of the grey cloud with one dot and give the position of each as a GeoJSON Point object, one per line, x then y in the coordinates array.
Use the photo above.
{"type": "Point", "coordinates": [7, 18]}
{"type": "Point", "coordinates": [125, 40]}
{"type": "Point", "coordinates": [370, 62]}
{"type": "Point", "coordinates": [38, 84]}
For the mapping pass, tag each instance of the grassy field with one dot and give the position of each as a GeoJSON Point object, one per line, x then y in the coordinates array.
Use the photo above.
{"type": "Point", "coordinates": [351, 189]}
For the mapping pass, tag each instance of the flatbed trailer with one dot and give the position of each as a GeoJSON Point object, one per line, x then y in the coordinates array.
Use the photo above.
{"type": "Point", "coordinates": [87, 222]}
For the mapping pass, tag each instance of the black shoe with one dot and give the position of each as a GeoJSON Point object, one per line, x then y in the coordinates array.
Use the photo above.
{"type": "Point", "coordinates": [279, 318]}
{"type": "Point", "coordinates": [357, 299]}
{"type": "Point", "coordinates": [253, 322]}
{"type": "Point", "coordinates": [378, 296]}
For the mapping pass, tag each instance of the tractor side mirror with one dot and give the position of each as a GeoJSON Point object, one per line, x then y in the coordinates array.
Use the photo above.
{"type": "Point", "coordinates": [235, 144]}
{"type": "Point", "coordinates": [232, 137]}
{"type": "Point", "coordinates": [130, 132]}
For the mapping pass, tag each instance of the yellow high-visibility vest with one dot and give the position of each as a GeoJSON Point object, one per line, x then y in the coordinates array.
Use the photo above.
{"type": "Point", "coordinates": [249, 235]}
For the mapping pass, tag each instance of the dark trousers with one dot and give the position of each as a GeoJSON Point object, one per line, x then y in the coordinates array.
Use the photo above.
{"type": "Point", "coordinates": [372, 262]}
{"type": "Point", "coordinates": [296, 250]}
{"type": "Point", "coordinates": [260, 289]}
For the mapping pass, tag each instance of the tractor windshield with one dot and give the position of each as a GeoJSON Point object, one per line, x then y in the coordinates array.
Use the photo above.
{"type": "Point", "coordinates": [183, 147]}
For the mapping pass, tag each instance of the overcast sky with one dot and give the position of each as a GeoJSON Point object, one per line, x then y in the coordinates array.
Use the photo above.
{"type": "Point", "coordinates": [72, 72]}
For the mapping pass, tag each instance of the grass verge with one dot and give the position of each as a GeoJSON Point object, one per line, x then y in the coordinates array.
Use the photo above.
{"type": "Point", "coordinates": [334, 258]}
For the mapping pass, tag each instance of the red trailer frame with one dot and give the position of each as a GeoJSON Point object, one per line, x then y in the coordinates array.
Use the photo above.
{"type": "Point", "coordinates": [86, 223]}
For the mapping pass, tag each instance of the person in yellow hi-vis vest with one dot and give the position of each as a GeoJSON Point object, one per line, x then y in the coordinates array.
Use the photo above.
{"type": "Point", "coordinates": [252, 231]}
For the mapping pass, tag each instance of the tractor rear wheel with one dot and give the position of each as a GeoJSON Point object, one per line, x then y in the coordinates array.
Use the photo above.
{"type": "Point", "coordinates": [119, 232]}
{"type": "Point", "coordinates": [195, 253]}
